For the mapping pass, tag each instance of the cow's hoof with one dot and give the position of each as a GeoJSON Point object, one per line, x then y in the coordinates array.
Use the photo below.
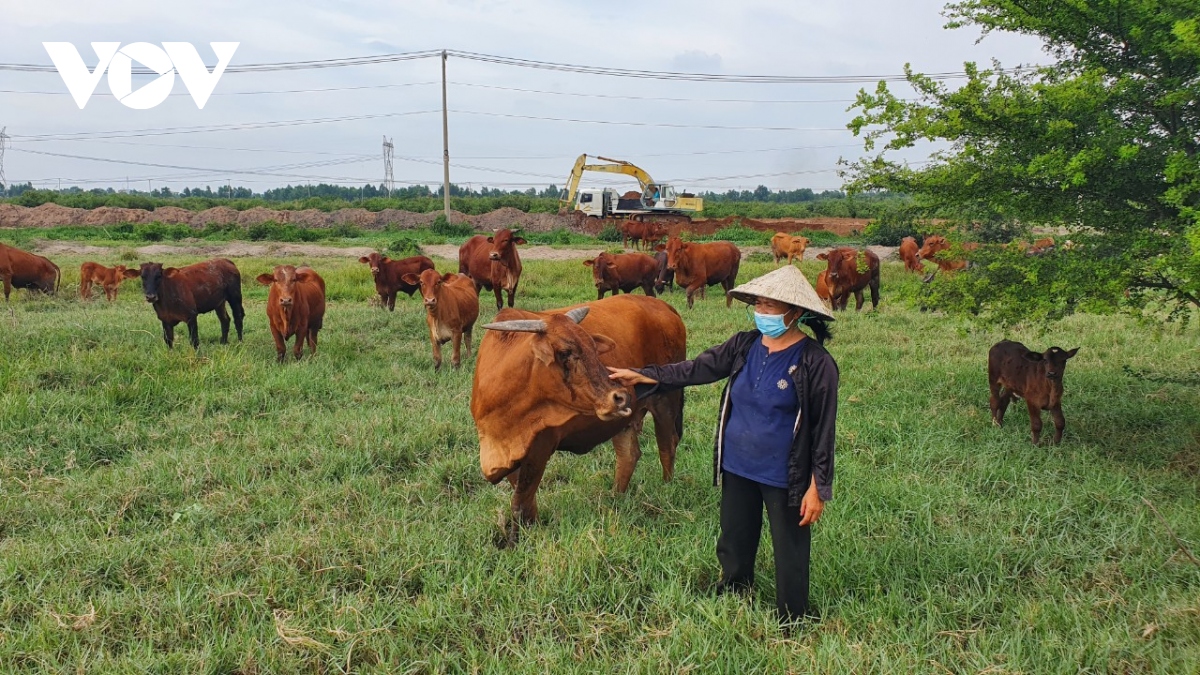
{"type": "Point", "coordinates": [509, 533]}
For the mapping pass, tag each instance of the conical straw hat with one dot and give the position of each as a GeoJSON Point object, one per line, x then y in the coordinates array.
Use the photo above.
{"type": "Point", "coordinates": [786, 284]}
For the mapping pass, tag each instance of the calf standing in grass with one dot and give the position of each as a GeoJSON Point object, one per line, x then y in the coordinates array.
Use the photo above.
{"type": "Point", "coordinates": [108, 278]}
{"type": "Point", "coordinates": [389, 275]}
{"type": "Point", "coordinates": [295, 306]}
{"type": "Point", "coordinates": [1013, 370]}
{"type": "Point", "coordinates": [452, 306]}
{"type": "Point", "coordinates": [179, 295]}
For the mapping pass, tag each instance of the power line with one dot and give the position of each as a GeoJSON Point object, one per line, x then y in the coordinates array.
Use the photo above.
{"type": "Point", "coordinates": [248, 93]}
{"type": "Point", "coordinates": [265, 171]}
{"type": "Point", "coordinates": [646, 124]}
{"type": "Point", "coordinates": [650, 98]}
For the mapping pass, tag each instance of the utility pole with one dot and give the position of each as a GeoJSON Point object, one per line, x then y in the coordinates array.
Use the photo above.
{"type": "Point", "coordinates": [389, 183]}
{"type": "Point", "coordinates": [445, 146]}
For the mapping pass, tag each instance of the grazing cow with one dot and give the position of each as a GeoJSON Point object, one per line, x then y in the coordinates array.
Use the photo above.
{"type": "Point", "coordinates": [295, 306]}
{"type": "Point", "coordinates": [179, 295]}
{"type": "Point", "coordinates": [643, 235]}
{"type": "Point", "coordinates": [666, 277]}
{"type": "Point", "coordinates": [1040, 246]}
{"type": "Point", "coordinates": [623, 272]}
{"type": "Point", "coordinates": [784, 245]}
{"type": "Point", "coordinates": [910, 254]}
{"type": "Point", "coordinates": [493, 263]}
{"type": "Point", "coordinates": [451, 308]}
{"type": "Point", "coordinates": [109, 278]}
{"type": "Point", "coordinates": [1013, 370]}
{"type": "Point", "coordinates": [935, 244]}
{"type": "Point", "coordinates": [697, 266]}
{"type": "Point", "coordinates": [541, 386]}
{"type": "Point", "coordinates": [21, 269]}
{"type": "Point", "coordinates": [389, 275]}
{"type": "Point", "coordinates": [849, 270]}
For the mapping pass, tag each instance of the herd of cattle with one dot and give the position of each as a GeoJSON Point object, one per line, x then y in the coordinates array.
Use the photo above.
{"type": "Point", "coordinates": [540, 383]}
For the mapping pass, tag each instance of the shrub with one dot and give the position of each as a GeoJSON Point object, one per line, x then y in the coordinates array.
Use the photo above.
{"type": "Point", "coordinates": [884, 232]}
{"type": "Point", "coordinates": [344, 231]}
{"type": "Point", "coordinates": [447, 229]}
{"type": "Point", "coordinates": [273, 231]}
{"type": "Point", "coordinates": [610, 233]}
{"type": "Point", "coordinates": [742, 235]}
{"type": "Point", "coordinates": [404, 247]}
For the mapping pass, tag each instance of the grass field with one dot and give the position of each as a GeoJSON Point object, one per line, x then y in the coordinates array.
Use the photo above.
{"type": "Point", "coordinates": [215, 512]}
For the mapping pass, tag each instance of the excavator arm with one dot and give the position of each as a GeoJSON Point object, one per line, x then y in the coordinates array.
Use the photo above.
{"type": "Point", "coordinates": [617, 166]}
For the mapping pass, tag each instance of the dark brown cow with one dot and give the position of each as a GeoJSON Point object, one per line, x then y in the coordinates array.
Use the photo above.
{"type": "Point", "coordinates": [295, 306]}
{"type": "Point", "coordinates": [1013, 370]}
{"type": "Point", "coordinates": [666, 277]}
{"type": "Point", "coordinates": [21, 269]}
{"type": "Point", "coordinates": [493, 263]}
{"type": "Point", "coordinates": [541, 386]}
{"type": "Point", "coordinates": [623, 272]}
{"type": "Point", "coordinates": [935, 244]}
{"type": "Point", "coordinates": [389, 275]}
{"type": "Point", "coordinates": [910, 254]}
{"type": "Point", "coordinates": [109, 278]}
{"type": "Point", "coordinates": [698, 266]}
{"type": "Point", "coordinates": [849, 270]}
{"type": "Point", "coordinates": [451, 308]}
{"type": "Point", "coordinates": [784, 245]}
{"type": "Point", "coordinates": [643, 235]}
{"type": "Point", "coordinates": [179, 295]}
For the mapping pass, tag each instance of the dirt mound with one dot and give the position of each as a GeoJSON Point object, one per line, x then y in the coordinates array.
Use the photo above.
{"type": "Point", "coordinates": [111, 215]}
{"type": "Point", "coordinates": [218, 215]}
{"type": "Point", "coordinates": [11, 215]}
{"type": "Point", "coordinates": [259, 215]}
{"type": "Point", "coordinates": [839, 226]}
{"type": "Point", "coordinates": [500, 218]}
{"type": "Point", "coordinates": [172, 215]}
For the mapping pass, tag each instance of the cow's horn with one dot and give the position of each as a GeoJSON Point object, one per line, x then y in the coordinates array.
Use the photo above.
{"type": "Point", "coordinates": [519, 326]}
{"type": "Point", "coordinates": [577, 314]}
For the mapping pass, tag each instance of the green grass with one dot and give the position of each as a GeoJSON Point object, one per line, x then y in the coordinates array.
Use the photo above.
{"type": "Point", "coordinates": [216, 512]}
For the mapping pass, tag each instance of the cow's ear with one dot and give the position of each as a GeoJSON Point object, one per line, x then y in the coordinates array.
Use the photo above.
{"type": "Point", "coordinates": [519, 240]}
{"type": "Point", "coordinates": [132, 274]}
{"type": "Point", "coordinates": [822, 256]}
{"type": "Point", "coordinates": [604, 344]}
{"type": "Point", "coordinates": [304, 276]}
{"type": "Point", "coordinates": [660, 247]}
{"type": "Point", "coordinates": [542, 350]}
{"type": "Point", "coordinates": [411, 279]}
{"type": "Point", "coordinates": [1072, 352]}
{"type": "Point", "coordinates": [266, 279]}
{"type": "Point", "coordinates": [170, 272]}
{"type": "Point", "coordinates": [364, 259]}
{"type": "Point", "coordinates": [589, 263]}
{"type": "Point", "coordinates": [491, 240]}
{"type": "Point", "coordinates": [448, 277]}
{"type": "Point", "coordinates": [385, 259]}
{"type": "Point", "coordinates": [1033, 356]}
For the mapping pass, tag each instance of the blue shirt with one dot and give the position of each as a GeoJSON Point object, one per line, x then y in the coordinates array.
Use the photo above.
{"type": "Point", "coordinates": [763, 405]}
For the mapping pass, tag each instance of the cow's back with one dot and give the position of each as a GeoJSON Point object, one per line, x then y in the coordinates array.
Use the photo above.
{"type": "Point", "coordinates": [312, 297]}
{"type": "Point", "coordinates": [721, 260]}
{"type": "Point", "coordinates": [208, 284]}
{"type": "Point", "coordinates": [473, 260]}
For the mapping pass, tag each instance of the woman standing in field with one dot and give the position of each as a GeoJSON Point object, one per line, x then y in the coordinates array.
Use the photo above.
{"type": "Point", "coordinates": [775, 434]}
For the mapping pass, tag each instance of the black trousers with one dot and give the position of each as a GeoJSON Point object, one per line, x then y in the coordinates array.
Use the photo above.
{"type": "Point", "coordinates": [742, 502]}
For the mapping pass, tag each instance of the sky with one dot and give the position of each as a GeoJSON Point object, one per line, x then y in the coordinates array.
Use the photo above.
{"type": "Point", "coordinates": [509, 127]}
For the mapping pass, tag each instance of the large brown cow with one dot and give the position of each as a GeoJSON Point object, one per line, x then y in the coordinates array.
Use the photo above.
{"type": "Point", "coordinates": [389, 275]}
{"type": "Point", "coordinates": [541, 386]}
{"type": "Point", "coordinates": [623, 272]}
{"type": "Point", "coordinates": [1013, 370]}
{"type": "Point", "coordinates": [784, 245]}
{"type": "Point", "coordinates": [451, 308]}
{"type": "Point", "coordinates": [698, 266]}
{"type": "Point", "coordinates": [493, 263]}
{"type": "Point", "coordinates": [849, 270]}
{"type": "Point", "coordinates": [108, 278]}
{"type": "Point", "coordinates": [643, 235]}
{"type": "Point", "coordinates": [179, 295]}
{"type": "Point", "coordinates": [935, 244]}
{"type": "Point", "coordinates": [666, 277]}
{"type": "Point", "coordinates": [21, 269]}
{"type": "Point", "coordinates": [910, 254]}
{"type": "Point", "coordinates": [295, 306]}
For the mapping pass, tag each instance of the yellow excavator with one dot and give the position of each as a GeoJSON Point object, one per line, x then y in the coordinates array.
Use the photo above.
{"type": "Point", "coordinates": [656, 198]}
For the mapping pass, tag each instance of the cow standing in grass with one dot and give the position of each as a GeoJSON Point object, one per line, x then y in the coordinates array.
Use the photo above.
{"type": "Point", "coordinates": [389, 275]}
{"type": "Point", "coordinates": [784, 245]}
{"type": "Point", "coordinates": [451, 308]}
{"type": "Point", "coordinates": [616, 272]}
{"type": "Point", "coordinates": [698, 266]}
{"type": "Point", "coordinates": [179, 295]}
{"type": "Point", "coordinates": [910, 254]}
{"type": "Point", "coordinates": [849, 270]}
{"type": "Point", "coordinates": [295, 306]}
{"type": "Point", "coordinates": [1014, 370]}
{"type": "Point", "coordinates": [493, 263]}
{"type": "Point", "coordinates": [108, 278]}
{"type": "Point", "coordinates": [21, 269]}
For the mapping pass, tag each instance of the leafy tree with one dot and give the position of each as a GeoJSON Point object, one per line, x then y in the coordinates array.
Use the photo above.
{"type": "Point", "coordinates": [1103, 141]}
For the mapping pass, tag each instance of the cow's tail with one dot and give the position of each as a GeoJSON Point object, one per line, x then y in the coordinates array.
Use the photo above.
{"type": "Point", "coordinates": [57, 278]}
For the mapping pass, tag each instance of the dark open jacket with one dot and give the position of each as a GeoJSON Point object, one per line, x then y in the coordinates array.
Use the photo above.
{"type": "Point", "coordinates": [816, 383]}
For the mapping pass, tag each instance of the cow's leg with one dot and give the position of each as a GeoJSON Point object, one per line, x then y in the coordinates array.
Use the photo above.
{"type": "Point", "coordinates": [1060, 423]}
{"type": "Point", "coordinates": [1035, 421]}
{"type": "Point", "coordinates": [239, 313]}
{"type": "Point", "coordinates": [312, 341]}
{"type": "Point", "coordinates": [628, 451]}
{"type": "Point", "coordinates": [467, 338]}
{"type": "Point", "coordinates": [727, 285]}
{"type": "Point", "coordinates": [512, 294]}
{"type": "Point", "coordinates": [437, 348]}
{"type": "Point", "coordinates": [499, 297]}
{"type": "Point", "coordinates": [668, 424]}
{"type": "Point", "coordinates": [223, 316]}
{"type": "Point", "coordinates": [525, 482]}
{"type": "Point", "coordinates": [194, 331]}
{"type": "Point", "coordinates": [169, 334]}
{"type": "Point", "coordinates": [648, 289]}
{"type": "Point", "coordinates": [7, 288]}
{"type": "Point", "coordinates": [280, 345]}
{"type": "Point", "coordinates": [391, 301]}
{"type": "Point", "coordinates": [301, 331]}
{"type": "Point", "coordinates": [858, 300]}
{"type": "Point", "coordinates": [998, 401]}
{"type": "Point", "coordinates": [85, 289]}
{"type": "Point", "coordinates": [691, 292]}
{"type": "Point", "coordinates": [875, 292]}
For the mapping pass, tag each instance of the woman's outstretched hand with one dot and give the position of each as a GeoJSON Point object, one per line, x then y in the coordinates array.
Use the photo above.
{"type": "Point", "coordinates": [628, 377]}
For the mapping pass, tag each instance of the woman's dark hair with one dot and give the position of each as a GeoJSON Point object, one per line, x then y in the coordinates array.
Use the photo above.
{"type": "Point", "coordinates": [818, 326]}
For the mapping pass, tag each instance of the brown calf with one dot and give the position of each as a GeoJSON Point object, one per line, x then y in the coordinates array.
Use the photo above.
{"type": "Point", "coordinates": [935, 244]}
{"type": "Point", "coordinates": [20, 269]}
{"type": "Point", "coordinates": [698, 266]}
{"type": "Point", "coordinates": [849, 270]}
{"type": "Point", "coordinates": [451, 308]}
{"type": "Point", "coordinates": [389, 275]}
{"type": "Point", "coordinates": [109, 278]}
{"type": "Point", "coordinates": [1013, 370]}
{"type": "Point", "coordinates": [623, 272]}
{"type": "Point", "coordinates": [493, 263]}
{"type": "Point", "coordinates": [295, 306]}
{"type": "Point", "coordinates": [910, 254]}
{"type": "Point", "coordinates": [180, 295]}
{"type": "Point", "coordinates": [784, 245]}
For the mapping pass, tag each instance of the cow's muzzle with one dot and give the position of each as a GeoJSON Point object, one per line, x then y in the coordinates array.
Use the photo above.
{"type": "Point", "coordinates": [151, 298]}
{"type": "Point", "coordinates": [493, 256]}
{"type": "Point", "coordinates": [618, 406]}
{"type": "Point", "coordinates": [285, 302]}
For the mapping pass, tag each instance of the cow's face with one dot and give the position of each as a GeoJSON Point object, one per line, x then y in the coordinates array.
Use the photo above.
{"type": "Point", "coordinates": [675, 247]}
{"type": "Point", "coordinates": [604, 270]}
{"type": "Point", "coordinates": [1053, 361]}
{"type": "Point", "coordinates": [284, 279]}
{"type": "Point", "coordinates": [431, 283]}
{"type": "Point", "coordinates": [568, 369]}
{"type": "Point", "coordinates": [502, 243]}
{"type": "Point", "coordinates": [152, 275]}
{"type": "Point", "coordinates": [839, 262]}
{"type": "Point", "coordinates": [374, 261]}
{"type": "Point", "coordinates": [932, 245]}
